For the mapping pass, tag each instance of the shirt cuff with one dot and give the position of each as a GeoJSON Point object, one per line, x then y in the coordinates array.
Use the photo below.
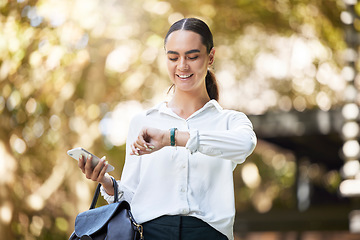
{"type": "Point", "coordinates": [193, 142]}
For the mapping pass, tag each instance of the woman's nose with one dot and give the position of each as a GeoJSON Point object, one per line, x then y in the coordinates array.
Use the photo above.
{"type": "Point", "coordinates": [183, 66]}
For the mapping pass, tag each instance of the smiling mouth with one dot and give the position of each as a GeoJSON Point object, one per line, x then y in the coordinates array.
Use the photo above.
{"type": "Point", "coordinates": [184, 76]}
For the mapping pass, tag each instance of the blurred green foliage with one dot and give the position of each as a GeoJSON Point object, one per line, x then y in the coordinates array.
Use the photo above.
{"type": "Point", "coordinates": [66, 65]}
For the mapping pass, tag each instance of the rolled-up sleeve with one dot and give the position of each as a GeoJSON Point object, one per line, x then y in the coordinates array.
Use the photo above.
{"type": "Point", "coordinates": [235, 143]}
{"type": "Point", "coordinates": [193, 142]}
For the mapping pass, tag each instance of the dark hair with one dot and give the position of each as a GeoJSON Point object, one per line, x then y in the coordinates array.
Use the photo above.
{"type": "Point", "coordinates": [199, 27]}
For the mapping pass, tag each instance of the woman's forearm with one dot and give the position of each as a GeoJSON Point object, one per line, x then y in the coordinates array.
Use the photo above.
{"type": "Point", "coordinates": [181, 138]}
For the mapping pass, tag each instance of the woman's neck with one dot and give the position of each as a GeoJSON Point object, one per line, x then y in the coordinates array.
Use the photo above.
{"type": "Point", "coordinates": [184, 104]}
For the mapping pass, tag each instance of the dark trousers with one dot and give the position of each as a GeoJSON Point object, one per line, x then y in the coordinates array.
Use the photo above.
{"type": "Point", "coordinates": [180, 228]}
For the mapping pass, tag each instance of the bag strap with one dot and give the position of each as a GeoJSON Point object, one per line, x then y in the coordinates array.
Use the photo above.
{"type": "Point", "coordinates": [97, 192]}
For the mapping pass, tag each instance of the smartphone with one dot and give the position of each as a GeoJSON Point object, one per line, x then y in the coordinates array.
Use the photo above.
{"type": "Point", "coordinates": [77, 152]}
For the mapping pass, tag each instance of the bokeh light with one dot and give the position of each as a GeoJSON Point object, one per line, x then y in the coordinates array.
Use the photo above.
{"type": "Point", "coordinates": [74, 72]}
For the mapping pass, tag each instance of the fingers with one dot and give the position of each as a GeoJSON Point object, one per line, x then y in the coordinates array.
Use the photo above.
{"type": "Point", "coordinates": [138, 150]}
{"type": "Point", "coordinates": [103, 170]}
{"type": "Point", "coordinates": [140, 142]}
{"type": "Point", "coordinates": [141, 146]}
{"type": "Point", "coordinates": [99, 170]}
{"type": "Point", "coordinates": [81, 163]}
{"type": "Point", "coordinates": [134, 150]}
{"type": "Point", "coordinates": [88, 167]}
{"type": "Point", "coordinates": [97, 173]}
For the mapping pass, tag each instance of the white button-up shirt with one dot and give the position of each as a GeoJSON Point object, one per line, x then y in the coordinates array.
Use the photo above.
{"type": "Point", "coordinates": [196, 180]}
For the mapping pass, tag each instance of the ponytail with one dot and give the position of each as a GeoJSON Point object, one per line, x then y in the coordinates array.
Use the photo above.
{"type": "Point", "coordinates": [211, 85]}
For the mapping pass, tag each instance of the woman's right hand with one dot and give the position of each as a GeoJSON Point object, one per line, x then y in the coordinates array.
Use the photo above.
{"type": "Point", "coordinates": [97, 173]}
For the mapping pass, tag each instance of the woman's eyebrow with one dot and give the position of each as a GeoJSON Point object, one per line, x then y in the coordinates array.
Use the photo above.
{"type": "Point", "coordinates": [187, 52]}
{"type": "Point", "coordinates": [172, 52]}
{"type": "Point", "coordinates": [192, 51]}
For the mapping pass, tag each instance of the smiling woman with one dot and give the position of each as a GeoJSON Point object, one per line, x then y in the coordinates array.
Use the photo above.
{"type": "Point", "coordinates": [198, 35]}
{"type": "Point", "coordinates": [180, 154]}
{"type": "Point", "coordinates": [187, 63]}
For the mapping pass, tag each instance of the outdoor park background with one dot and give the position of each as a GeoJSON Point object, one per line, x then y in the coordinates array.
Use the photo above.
{"type": "Point", "coordinates": [73, 72]}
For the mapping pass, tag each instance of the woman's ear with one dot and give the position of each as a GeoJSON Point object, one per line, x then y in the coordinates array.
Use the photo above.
{"type": "Point", "coordinates": [211, 56]}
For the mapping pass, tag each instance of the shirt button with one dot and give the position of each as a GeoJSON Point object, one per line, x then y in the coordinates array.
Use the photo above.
{"type": "Point", "coordinates": [183, 166]}
{"type": "Point", "coordinates": [182, 189]}
{"type": "Point", "coordinates": [184, 211]}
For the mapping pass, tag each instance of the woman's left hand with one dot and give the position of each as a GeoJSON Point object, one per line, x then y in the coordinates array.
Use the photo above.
{"type": "Point", "coordinates": [150, 140]}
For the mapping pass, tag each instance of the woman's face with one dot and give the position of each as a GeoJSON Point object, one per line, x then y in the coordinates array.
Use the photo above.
{"type": "Point", "coordinates": [187, 60]}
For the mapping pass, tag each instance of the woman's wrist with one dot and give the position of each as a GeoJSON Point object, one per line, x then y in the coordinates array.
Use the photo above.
{"type": "Point", "coordinates": [166, 138]}
{"type": "Point", "coordinates": [107, 184]}
{"type": "Point", "coordinates": [180, 138]}
{"type": "Point", "coordinates": [173, 137]}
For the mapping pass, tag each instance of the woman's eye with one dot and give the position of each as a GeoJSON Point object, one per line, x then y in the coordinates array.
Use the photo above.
{"type": "Point", "coordinates": [193, 58]}
{"type": "Point", "coordinates": [172, 59]}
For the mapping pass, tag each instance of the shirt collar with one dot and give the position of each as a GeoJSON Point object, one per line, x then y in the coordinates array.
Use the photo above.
{"type": "Point", "coordinates": [162, 108]}
{"type": "Point", "coordinates": [214, 103]}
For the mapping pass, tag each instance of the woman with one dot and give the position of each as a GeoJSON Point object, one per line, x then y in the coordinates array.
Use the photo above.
{"type": "Point", "coordinates": [181, 154]}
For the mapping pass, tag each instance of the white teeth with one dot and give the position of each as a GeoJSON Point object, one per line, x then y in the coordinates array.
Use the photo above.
{"type": "Point", "coordinates": [184, 76]}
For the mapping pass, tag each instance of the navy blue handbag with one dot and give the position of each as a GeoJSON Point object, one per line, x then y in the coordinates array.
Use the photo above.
{"type": "Point", "coordinates": [112, 221]}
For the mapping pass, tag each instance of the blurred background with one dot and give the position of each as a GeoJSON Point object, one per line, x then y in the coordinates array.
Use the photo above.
{"type": "Point", "coordinates": [74, 72]}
